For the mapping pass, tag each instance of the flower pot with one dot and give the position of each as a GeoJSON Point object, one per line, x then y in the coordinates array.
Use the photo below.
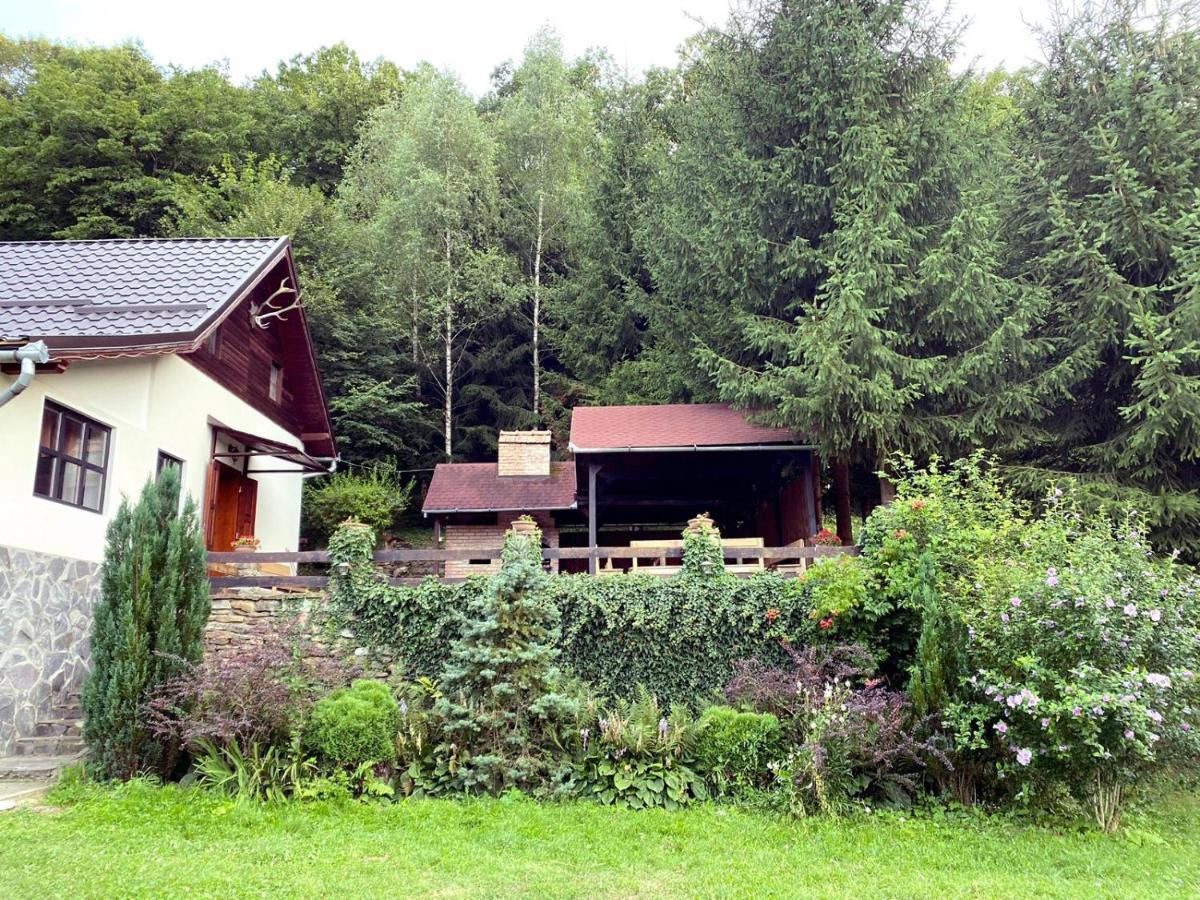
{"type": "Point", "coordinates": [701, 523]}
{"type": "Point", "coordinates": [523, 526]}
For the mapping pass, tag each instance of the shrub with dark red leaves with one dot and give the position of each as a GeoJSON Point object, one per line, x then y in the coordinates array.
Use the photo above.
{"type": "Point", "coordinates": [254, 696]}
{"type": "Point", "coordinates": [851, 736]}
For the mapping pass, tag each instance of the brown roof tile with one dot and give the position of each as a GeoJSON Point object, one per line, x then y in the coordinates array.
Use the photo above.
{"type": "Point", "coordinates": [476, 487]}
{"type": "Point", "coordinates": [669, 425]}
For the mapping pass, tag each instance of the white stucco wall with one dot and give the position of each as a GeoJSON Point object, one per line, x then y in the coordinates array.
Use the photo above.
{"type": "Point", "coordinates": [151, 404]}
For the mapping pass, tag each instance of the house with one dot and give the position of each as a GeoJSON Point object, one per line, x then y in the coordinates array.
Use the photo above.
{"type": "Point", "coordinates": [634, 473]}
{"type": "Point", "coordinates": [121, 357]}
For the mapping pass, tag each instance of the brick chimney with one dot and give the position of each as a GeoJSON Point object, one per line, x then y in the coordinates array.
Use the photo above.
{"type": "Point", "coordinates": [524, 453]}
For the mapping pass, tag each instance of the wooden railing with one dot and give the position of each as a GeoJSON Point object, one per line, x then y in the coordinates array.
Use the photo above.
{"type": "Point", "coordinates": [428, 555]}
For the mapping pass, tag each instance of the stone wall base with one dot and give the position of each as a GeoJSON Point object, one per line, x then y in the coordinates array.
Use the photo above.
{"type": "Point", "coordinates": [45, 621]}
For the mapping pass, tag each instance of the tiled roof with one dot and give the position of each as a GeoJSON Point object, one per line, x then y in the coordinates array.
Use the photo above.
{"type": "Point", "coordinates": [676, 425]}
{"type": "Point", "coordinates": [476, 487]}
{"type": "Point", "coordinates": [116, 293]}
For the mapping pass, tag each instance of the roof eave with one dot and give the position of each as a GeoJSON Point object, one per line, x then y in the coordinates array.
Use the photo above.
{"type": "Point", "coordinates": [691, 448]}
{"type": "Point", "coordinates": [491, 509]}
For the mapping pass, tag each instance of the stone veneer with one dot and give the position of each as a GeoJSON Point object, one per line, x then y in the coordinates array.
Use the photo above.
{"type": "Point", "coordinates": [45, 620]}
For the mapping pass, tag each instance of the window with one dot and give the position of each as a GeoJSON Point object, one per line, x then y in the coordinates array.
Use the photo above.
{"type": "Point", "coordinates": [166, 459]}
{"type": "Point", "coordinates": [275, 389]}
{"type": "Point", "coordinates": [73, 459]}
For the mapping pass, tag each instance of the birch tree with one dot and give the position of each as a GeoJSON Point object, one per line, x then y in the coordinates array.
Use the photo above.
{"type": "Point", "coordinates": [422, 186]}
{"type": "Point", "coordinates": [544, 126]}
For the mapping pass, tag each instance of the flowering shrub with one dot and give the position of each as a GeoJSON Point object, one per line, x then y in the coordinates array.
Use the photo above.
{"type": "Point", "coordinates": [1083, 649]}
{"type": "Point", "coordinates": [836, 592]}
{"type": "Point", "coordinates": [850, 737]}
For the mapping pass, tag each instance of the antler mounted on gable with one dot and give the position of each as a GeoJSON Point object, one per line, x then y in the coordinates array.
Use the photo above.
{"type": "Point", "coordinates": [261, 312]}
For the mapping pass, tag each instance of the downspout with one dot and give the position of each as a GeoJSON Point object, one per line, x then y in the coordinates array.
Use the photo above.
{"type": "Point", "coordinates": [28, 356]}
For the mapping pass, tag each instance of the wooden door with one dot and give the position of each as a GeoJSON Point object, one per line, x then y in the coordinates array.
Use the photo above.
{"type": "Point", "coordinates": [233, 500]}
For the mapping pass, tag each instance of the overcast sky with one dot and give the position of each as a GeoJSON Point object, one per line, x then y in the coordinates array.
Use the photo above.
{"type": "Point", "coordinates": [468, 36]}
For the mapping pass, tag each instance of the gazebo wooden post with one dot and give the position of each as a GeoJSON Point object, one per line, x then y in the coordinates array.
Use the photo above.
{"type": "Point", "coordinates": [841, 500]}
{"type": "Point", "coordinates": [593, 563]}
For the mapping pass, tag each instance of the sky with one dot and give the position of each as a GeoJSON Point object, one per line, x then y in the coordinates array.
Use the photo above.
{"type": "Point", "coordinates": [470, 38]}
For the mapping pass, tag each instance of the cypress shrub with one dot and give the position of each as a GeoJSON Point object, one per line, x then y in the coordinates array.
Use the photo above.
{"type": "Point", "coordinates": [147, 628]}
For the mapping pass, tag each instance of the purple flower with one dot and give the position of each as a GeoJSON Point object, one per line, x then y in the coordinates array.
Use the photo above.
{"type": "Point", "coordinates": [1001, 727]}
{"type": "Point", "coordinates": [1024, 756]}
{"type": "Point", "coordinates": [1154, 716]}
{"type": "Point", "coordinates": [1014, 700]}
{"type": "Point", "coordinates": [1158, 680]}
{"type": "Point", "coordinates": [1129, 734]}
{"type": "Point", "coordinates": [1077, 711]}
{"type": "Point", "coordinates": [662, 729]}
{"type": "Point", "coordinates": [1108, 601]}
{"type": "Point", "coordinates": [1155, 615]}
{"type": "Point", "coordinates": [1015, 601]}
{"type": "Point", "coordinates": [1130, 609]}
{"type": "Point", "coordinates": [1051, 577]}
{"type": "Point", "coordinates": [988, 691]}
{"type": "Point", "coordinates": [1185, 726]}
{"type": "Point", "coordinates": [1004, 617]}
{"type": "Point", "coordinates": [1045, 723]}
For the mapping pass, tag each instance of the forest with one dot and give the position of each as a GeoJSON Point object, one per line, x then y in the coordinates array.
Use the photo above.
{"type": "Point", "coordinates": [821, 214]}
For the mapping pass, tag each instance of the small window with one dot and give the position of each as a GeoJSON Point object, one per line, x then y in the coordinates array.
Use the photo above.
{"type": "Point", "coordinates": [166, 459]}
{"type": "Point", "coordinates": [213, 343]}
{"type": "Point", "coordinates": [72, 464]}
{"type": "Point", "coordinates": [275, 389]}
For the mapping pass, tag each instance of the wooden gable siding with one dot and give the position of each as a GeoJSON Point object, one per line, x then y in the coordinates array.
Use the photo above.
{"type": "Point", "coordinates": [245, 354]}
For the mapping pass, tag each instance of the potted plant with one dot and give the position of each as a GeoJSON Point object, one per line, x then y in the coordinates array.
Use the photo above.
{"type": "Point", "coordinates": [524, 525]}
{"type": "Point", "coordinates": [246, 543]}
{"type": "Point", "coordinates": [701, 523]}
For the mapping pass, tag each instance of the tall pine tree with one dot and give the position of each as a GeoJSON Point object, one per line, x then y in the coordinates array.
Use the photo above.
{"type": "Point", "coordinates": [148, 624]}
{"type": "Point", "coordinates": [1108, 218]}
{"type": "Point", "coordinates": [827, 246]}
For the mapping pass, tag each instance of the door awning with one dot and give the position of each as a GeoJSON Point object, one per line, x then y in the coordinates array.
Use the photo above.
{"type": "Point", "coordinates": [257, 446]}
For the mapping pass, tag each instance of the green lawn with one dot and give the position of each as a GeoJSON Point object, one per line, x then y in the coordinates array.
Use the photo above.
{"type": "Point", "coordinates": [143, 841]}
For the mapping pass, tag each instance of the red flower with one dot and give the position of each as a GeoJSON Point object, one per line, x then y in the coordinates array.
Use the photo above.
{"type": "Point", "coordinates": [900, 534]}
{"type": "Point", "coordinates": [918, 504]}
{"type": "Point", "coordinates": [772, 615]}
{"type": "Point", "coordinates": [827, 622]}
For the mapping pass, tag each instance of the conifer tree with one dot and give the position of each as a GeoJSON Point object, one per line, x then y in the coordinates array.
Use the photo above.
{"type": "Point", "coordinates": [148, 624]}
{"type": "Point", "coordinates": [501, 689]}
{"type": "Point", "coordinates": [827, 242]}
{"type": "Point", "coordinates": [940, 662]}
{"type": "Point", "coordinates": [1108, 218]}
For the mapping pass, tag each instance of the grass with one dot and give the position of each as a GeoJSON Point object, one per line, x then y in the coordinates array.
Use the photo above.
{"type": "Point", "coordinates": [141, 840]}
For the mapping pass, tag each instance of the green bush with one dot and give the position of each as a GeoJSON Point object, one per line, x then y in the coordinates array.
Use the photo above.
{"type": "Point", "coordinates": [375, 496]}
{"type": "Point", "coordinates": [735, 748]}
{"type": "Point", "coordinates": [354, 726]}
{"type": "Point", "coordinates": [147, 627]}
{"type": "Point", "coordinates": [678, 637]}
{"type": "Point", "coordinates": [634, 755]}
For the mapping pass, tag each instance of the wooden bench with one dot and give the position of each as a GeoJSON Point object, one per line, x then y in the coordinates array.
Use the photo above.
{"type": "Point", "coordinates": [659, 565]}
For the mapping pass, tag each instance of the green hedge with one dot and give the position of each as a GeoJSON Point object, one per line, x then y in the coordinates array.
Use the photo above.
{"type": "Point", "coordinates": [678, 637]}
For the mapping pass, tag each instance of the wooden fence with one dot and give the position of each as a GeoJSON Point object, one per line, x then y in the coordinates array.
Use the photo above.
{"type": "Point", "coordinates": [429, 555]}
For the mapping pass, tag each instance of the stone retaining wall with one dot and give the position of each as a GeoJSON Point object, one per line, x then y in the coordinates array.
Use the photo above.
{"type": "Point", "coordinates": [45, 620]}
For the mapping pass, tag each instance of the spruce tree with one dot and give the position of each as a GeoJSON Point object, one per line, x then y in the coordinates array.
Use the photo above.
{"type": "Point", "coordinates": [148, 624]}
{"type": "Point", "coordinates": [501, 689]}
{"type": "Point", "coordinates": [1108, 218]}
{"type": "Point", "coordinates": [940, 663]}
{"type": "Point", "coordinates": [827, 236]}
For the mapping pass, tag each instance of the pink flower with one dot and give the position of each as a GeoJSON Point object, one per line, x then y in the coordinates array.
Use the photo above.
{"type": "Point", "coordinates": [1077, 711]}
{"type": "Point", "coordinates": [1024, 756]}
{"type": "Point", "coordinates": [1158, 680]}
{"type": "Point", "coordinates": [1004, 618]}
{"type": "Point", "coordinates": [1109, 602]}
{"type": "Point", "coordinates": [1130, 609]}
{"type": "Point", "coordinates": [1001, 727]}
{"type": "Point", "coordinates": [1185, 726]}
{"type": "Point", "coordinates": [1129, 734]}
{"type": "Point", "coordinates": [1051, 577]}
{"type": "Point", "coordinates": [1154, 716]}
{"type": "Point", "coordinates": [1016, 601]}
{"type": "Point", "coordinates": [1045, 723]}
{"type": "Point", "coordinates": [1155, 615]}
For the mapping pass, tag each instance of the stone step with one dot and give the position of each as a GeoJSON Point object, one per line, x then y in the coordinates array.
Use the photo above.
{"type": "Point", "coordinates": [66, 712]}
{"type": "Point", "coordinates": [35, 768]}
{"type": "Point", "coordinates": [57, 727]}
{"type": "Point", "coordinates": [56, 745]}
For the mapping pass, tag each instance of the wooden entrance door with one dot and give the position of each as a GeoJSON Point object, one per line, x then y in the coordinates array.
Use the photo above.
{"type": "Point", "coordinates": [233, 499]}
